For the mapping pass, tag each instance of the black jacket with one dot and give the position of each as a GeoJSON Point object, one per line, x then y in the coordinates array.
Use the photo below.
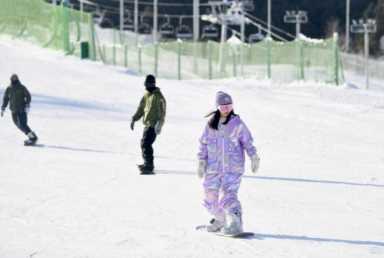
{"type": "Point", "coordinates": [18, 96]}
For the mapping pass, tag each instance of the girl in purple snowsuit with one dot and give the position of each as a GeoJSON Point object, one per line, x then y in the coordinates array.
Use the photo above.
{"type": "Point", "coordinates": [221, 163]}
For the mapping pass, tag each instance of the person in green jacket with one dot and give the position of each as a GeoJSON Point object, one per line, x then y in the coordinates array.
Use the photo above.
{"type": "Point", "coordinates": [152, 109]}
{"type": "Point", "coordinates": [19, 99]}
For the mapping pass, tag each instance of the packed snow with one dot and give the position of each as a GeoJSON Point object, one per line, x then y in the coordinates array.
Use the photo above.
{"type": "Point", "coordinates": [318, 192]}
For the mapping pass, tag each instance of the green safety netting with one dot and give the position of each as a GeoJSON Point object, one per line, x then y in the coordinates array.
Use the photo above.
{"type": "Point", "coordinates": [63, 28]}
{"type": "Point", "coordinates": [47, 25]}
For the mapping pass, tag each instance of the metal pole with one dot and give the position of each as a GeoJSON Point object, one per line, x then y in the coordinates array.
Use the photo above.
{"type": "Point", "coordinates": [155, 10]}
{"type": "Point", "coordinates": [242, 28]}
{"type": "Point", "coordinates": [209, 60]}
{"type": "Point", "coordinates": [269, 17]}
{"type": "Point", "coordinates": [242, 42]}
{"type": "Point", "coordinates": [298, 27]}
{"type": "Point", "coordinates": [196, 31]}
{"type": "Point", "coordinates": [66, 27]}
{"type": "Point", "coordinates": [196, 16]}
{"type": "Point", "coordinates": [121, 15]}
{"type": "Point", "coordinates": [366, 47]}
{"type": "Point", "coordinates": [136, 21]}
{"type": "Point", "coordinates": [347, 24]}
{"type": "Point", "coordinates": [179, 42]}
{"type": "Point", "coordinates": [81, 7]}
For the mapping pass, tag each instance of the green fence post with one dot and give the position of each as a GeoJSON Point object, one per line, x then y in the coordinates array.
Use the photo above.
{"type": "Point", "coordinates": [93, 40]}
{"type": "Point", "coordinates": [209, 60]}
{"type": "Point", "coordinates": [114, 47]}
{"type": "Point", "coordinates": [125, 55]}
{"type": "Point", "coordinates": [301, 59]}
{"type": "Point", "coordinates": [336, 58]}
{"type": "Point", "coordinates": [269, 58]}
{"type": "Point", "coordinates": [195, 66]}
{"type": "Point", "coordinates": [65, 22]}
{"type": "Point", "coordinates": [179, 42]}
{"type": "Point", "coordinates": [234, 61]}
{"type": "Point", "coordinates": [242, 58]}
{"type": "Point", "coordinates": [105, 54]}
{"type": "Point", "coordinates": [140, 61]}
{"type": "Point", "coordinates": [156, 59]}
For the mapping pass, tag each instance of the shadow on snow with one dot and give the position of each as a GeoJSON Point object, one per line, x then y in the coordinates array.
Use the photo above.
{"type": "Point", "coordinates": [301, 180]}
{"type": "Point", "coordinates": [75, 104]}
{"type": "Point", "coordinates": [71, 148]}
{"type": "Point", "coordinates": [317, 239]}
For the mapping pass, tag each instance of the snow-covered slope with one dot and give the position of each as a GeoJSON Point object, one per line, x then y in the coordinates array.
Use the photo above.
{"type": "Point", "coordinates": [318, 193]}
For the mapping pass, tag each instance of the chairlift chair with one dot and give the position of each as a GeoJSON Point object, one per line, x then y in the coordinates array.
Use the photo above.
{"type": "Point", "coordinates": [183, 31]}
{"type": "Point", "coordinates": [98, 16]}
{"type": "Point", "coordinates": [107, 23]}
{"type": "Point", "coordinates": [144, 28]}
{"type": "Point", "coordinates": [248, 5]}
{"type": "Point", "coordinates": [256, 37]}
{"type": "Point", "coordinates": [128, 23]}
{"type": "Point", "coordinates": [167, 30]}
{"type": "Point", "coordinates": [210, 32]}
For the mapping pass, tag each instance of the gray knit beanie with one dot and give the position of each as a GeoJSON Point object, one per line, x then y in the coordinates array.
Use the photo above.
{"type": "Point", "coordinates": [223, 98]}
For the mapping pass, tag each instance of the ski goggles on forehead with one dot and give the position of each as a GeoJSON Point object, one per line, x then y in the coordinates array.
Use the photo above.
{"type": "Point", "coordinates": [225, 108]}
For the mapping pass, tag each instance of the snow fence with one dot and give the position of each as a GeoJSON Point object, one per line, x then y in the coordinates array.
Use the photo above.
{"type": "Point", "coordinates": [63, 28]}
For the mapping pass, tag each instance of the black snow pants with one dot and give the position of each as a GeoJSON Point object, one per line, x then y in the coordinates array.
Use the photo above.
{"type": "Point", "coordinates": [21, 121]}
{"type": "Point", "coordinates": [149, 137]}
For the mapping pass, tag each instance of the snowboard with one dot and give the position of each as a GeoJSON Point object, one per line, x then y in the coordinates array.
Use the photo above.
{"type": "Point", "coordinates": [34, 145]}
{"type": "Point", "coordinates": [28, 143]}
{"type": "Point", "coordinates": [244, 234]}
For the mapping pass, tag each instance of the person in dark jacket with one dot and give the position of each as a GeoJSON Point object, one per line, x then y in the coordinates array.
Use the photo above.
{"type": "Point", "coordinates": [152, 109]}
{"type": "Point", "coordinates": [19, 99]}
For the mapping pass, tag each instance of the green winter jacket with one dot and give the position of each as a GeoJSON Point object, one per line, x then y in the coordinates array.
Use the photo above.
{"type": "Point", "coordinates": [18, 96]}
{"type": "Point", "coordinates": [152, 108]}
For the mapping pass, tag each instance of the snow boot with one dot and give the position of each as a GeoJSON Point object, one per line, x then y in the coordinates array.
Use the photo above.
{"type": "Point", "coordinates": [215, 225]}
{"type": "Point", "coordinates": [146, 169]}
{"type": "Point", "coordinates": [233, 223]}
{"type": "Point", "coordinates": [32, 139]}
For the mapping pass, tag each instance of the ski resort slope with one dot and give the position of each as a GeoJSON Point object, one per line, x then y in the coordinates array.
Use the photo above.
{"type": "Point", "coordinates": [319, 191]}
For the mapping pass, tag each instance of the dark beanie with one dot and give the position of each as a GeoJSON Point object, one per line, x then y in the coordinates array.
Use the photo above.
{"type": "Point", "coordinates": [150, 81]}
{"type": "Point", "coordinates": [14, 78]}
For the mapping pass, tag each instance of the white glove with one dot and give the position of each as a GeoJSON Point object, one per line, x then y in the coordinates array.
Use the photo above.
{"type": "Point", "coordinates": [158, 126]}
{"type": "Point", "coordinates": [27, 107]}
{"type": "Point", "coordinates": [202, 168]}
{"type": "Point", "coordinates": [255, 163]}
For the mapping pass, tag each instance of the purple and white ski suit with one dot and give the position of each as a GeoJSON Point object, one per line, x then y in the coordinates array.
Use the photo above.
{"type": "Point", "coordinates": [223, 150]}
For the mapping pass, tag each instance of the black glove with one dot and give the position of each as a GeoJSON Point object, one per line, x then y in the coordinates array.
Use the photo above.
{"type": "Point", "coordinates": [158, 126]}
{"type": "Point", "coordinates": [132, 125]}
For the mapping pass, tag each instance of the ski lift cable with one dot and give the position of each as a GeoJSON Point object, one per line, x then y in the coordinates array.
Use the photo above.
{"type": "Point", "coordinates": [108, 8]}
{"type": "Point", "coordinates": [160, 4]}
{"type": "Point", "coordinates": [116, 10]}
{"type": "Point", "coordinates": [86, 2]}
